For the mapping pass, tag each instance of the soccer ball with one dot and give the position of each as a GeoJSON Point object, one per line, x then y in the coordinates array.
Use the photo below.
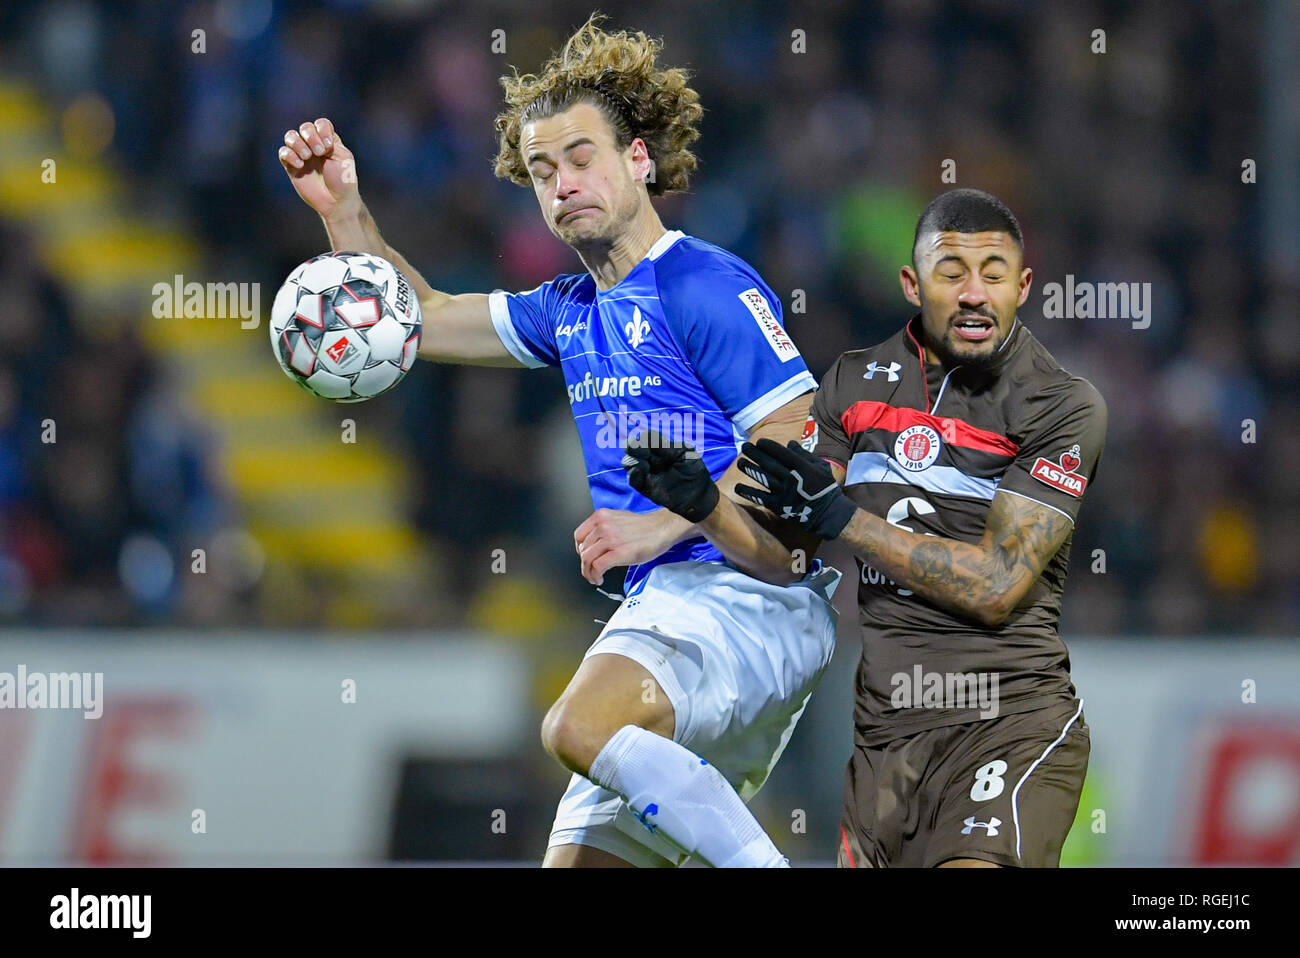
{"type": "Point", "coordinates": [345, 326]}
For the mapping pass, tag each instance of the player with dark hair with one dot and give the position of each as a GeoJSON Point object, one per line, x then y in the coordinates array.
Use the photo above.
{"type": "Point", "coordinates": [963, 452]}
{"type": "Point", "coordinates": [685, 701]}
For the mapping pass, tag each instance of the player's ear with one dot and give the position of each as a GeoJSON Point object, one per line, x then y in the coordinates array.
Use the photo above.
{"type": "Point", "coordinates": [642, 165]}
{"type": "Point", "coordinates": [1026, 280]}
{"type": "Point", "coordinates": [911, 286]}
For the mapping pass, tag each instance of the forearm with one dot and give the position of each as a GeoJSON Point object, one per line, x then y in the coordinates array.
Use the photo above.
{"type": "Point", "coordinates": [676, 529]}
{"type": "Point", "coordinates": [357, 230]}
{"type": "Point", "coordinates": [964, 577]}
{"type": "Point", "coordinates": [457, 327]}
{"type": "Point", "coordinates": [766, 548]}
{"type": "Point", "coordinates": [748, 546]}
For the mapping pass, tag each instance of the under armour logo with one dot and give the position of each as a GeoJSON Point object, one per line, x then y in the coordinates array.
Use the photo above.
{"type": "Point", "coordinates": [637, 329]}
{"type": "Point", "coordinates": [874, 367]}
{"type": "Point", "coordinates": [787, 512]}
{"type": "Point", "coordinates": [652, 809]}
{"type": "Point", "coordinates": [991, 825]}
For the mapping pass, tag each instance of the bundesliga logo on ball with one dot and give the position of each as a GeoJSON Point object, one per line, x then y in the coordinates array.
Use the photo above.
{"type": "Point", "coordinates": [345, 326]}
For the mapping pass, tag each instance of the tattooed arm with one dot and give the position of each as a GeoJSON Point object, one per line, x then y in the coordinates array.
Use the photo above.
{"type": "Point", "coordinates": [984, 581]}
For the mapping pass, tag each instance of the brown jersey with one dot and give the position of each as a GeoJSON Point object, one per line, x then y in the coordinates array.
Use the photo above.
{"type": "Point", "coordinates": [927, 449]}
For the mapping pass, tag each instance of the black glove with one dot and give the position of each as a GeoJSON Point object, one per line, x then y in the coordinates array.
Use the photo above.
{"type": "Point", "coordinates": [670, 474]}
{"type": "Point", "coordinates": [800, 487]}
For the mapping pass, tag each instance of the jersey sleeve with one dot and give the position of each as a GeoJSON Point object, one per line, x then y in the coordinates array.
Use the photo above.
{"type": "Point", "coordinates": [523, 322]}
{"type": "Point", "coordinates": [831, 441]}
{"type": "Point", "coordinates": [729, 326]}
{"type": "Point", "coordinates": [1057, 461]}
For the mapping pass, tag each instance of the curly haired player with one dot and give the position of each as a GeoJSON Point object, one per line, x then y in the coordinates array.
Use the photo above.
{"type": "Point", "coordinates": [685, 701]}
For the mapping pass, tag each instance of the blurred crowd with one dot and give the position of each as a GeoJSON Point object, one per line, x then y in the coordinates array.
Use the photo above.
{"type": "Point", "coordinates": [105, 481]}
{"type": "Point", "coordinates": [825, 133]}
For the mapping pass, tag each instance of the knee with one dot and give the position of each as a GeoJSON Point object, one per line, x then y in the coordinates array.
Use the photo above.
{"type": "Point", "coordinates": [570, 738]}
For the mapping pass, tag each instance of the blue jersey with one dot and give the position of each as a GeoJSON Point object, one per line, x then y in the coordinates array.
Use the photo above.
{"type": "Point", "coordinates": [689, 344]}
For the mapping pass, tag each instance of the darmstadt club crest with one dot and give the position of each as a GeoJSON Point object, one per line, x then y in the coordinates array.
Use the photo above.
{"type": "Point", "coordinates": [917, 447]}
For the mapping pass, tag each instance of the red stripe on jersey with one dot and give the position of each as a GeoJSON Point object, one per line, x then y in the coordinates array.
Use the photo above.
{"type": "Point", "coordinates": [848, 853]}
{"type": "Point", "coordinates": [865, 415]}
{"type": "Point", "coordinates": [920, 358]}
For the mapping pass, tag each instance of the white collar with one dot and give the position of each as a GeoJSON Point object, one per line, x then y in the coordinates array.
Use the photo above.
{"type": "Point", "coordinates": [663, 243]}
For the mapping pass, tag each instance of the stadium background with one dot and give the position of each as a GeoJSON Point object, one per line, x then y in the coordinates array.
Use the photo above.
{"type": "Point", "coordinates": [324, 559]}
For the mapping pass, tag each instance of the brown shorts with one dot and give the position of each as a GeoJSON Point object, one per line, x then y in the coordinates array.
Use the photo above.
{"type": "Point", "coordinates": [1003, 790]}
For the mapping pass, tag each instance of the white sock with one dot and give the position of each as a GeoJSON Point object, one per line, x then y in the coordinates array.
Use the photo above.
{"type": "Point", "coordinates": [673, 789]}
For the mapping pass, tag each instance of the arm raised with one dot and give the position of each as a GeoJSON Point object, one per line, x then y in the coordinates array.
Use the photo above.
{"type": "Point", "coordinates": [457, 328]}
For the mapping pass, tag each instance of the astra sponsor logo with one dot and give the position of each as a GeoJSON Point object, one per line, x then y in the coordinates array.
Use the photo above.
{"type": "Point", "coordinates": [1061, 474]}
{"type": "Point", "coordinates": [1072, 300]}
{"type": "Point", "coordinates": [614, 387]}
{"type": "Point", "coordinates": [945, 690]}
{"type": "Point", "coordinates": [616, 428]}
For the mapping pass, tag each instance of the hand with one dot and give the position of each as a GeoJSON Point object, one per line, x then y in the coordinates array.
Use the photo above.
{"type": "Point", "coordinates": [670, 474]}
{"type": "Point", "coordinates": [615, 537]}
{"type": "Point", "coordinates": [800, 487]}
{"type": "Point", "coordinates": [321, 169]}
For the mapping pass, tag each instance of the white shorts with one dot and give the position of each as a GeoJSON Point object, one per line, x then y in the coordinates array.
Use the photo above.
{"type": "Point", "coordinates": [738, 659]}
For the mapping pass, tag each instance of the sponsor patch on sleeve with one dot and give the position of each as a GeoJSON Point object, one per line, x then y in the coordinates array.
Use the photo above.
{"type": "Point", "coordinates": [1061, 474]}
{"type": "Point", "coordinates": [810, 433]}
{"type": "Point", "coordinates": [781, 344]}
